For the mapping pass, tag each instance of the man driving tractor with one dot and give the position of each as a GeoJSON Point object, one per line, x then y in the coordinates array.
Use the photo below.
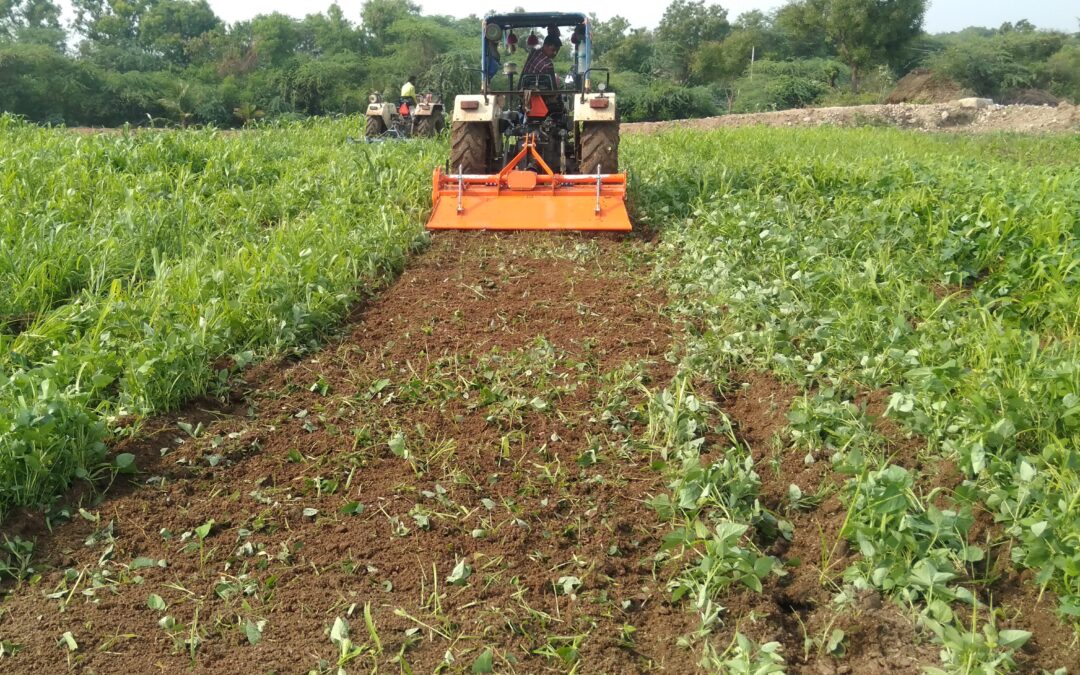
{"type": "Point", "coordinates": [542, 61]}
{"type": "Point", "coordinates": [540, 65]}
{"type": "Point", "coordinates": [408, 91]}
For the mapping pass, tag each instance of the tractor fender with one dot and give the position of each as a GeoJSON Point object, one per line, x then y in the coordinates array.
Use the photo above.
{"type": "Point", "coordinates": [383, 110]}
{"type": "Point", "coordinates": [477, 108]}
{"type": "Point", "coordinates": [586, 108]}
{"type": "Point", "coordinates": [427, 109]}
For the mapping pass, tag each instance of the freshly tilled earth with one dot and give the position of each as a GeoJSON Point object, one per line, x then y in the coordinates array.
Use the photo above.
{"type": "Point", "coordinates": [468, 421]}
{"type": "Point", "coordinates": [461, 480]}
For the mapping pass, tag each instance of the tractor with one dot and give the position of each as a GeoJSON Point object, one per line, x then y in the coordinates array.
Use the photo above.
{"type": "Point", "coordinates": [387, 120]}
{"type": "Point", "coordinates": [533, 150]}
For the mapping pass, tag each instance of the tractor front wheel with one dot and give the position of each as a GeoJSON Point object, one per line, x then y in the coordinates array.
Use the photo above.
{"type": "Point", "coordinates": [469, 143]}
{"type": "Point", "coordinates": [374, 126]}
{"type": "Point", "coordinates": [599, 147]}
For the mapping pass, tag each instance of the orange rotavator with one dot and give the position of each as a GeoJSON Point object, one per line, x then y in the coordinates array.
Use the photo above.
{"type": "Point", "coordinates": [538, 154]}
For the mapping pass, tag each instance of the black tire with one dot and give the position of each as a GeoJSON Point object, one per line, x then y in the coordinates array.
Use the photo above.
{"type": "Point", "coordinates": [440, 121]}
{"type": "Point", "coordinates": [425, 126]}
{"type": "Point", "coordinates": [469, 144]}
{"type": "Point", "coordinates": [374, 126]}
{"type": "Point", "coordinates": [599, 147]}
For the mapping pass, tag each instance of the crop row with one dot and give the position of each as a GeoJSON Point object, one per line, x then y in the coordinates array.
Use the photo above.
{"type": "Point", "coordinates": [942, 271]}
{"type": "Point", "coordinates": [349, 215]}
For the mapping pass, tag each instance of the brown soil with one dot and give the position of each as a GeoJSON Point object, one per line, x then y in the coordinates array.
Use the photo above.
{"type": "Point", "coordinates": [950, 116]}
{"type": "Point", "coordinates": [923, 86]}
{"type": "Point", "coordinates": [489, 356]}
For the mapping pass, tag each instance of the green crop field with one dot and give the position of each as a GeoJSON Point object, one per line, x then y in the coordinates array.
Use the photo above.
{"type": "Point", "coordinates": [133, 265]}
{"type": "Point", "coordinates": [911, 303]}
{"type": "Point", "coordinates": [942, 271]}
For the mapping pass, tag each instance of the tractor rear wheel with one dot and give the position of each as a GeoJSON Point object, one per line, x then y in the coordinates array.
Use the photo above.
{"type": "Point", "coordinates": [599, 147]}
{"type": "Point", "coordinates": [425, 126]}
{"type": "Point", "coordinates": [374, 126]}
{"type": "Point", "coordinates": [469, 142]}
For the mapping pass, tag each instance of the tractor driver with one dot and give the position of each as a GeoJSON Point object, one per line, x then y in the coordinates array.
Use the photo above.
{"type": "Point", "coordinates": [408, 92]}
{"type": "Point", "coordinates": [542, 62]}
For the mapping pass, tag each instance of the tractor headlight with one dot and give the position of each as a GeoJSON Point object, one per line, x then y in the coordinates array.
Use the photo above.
{"type": "Point", "coordinates": [602, 87]}
{"type": "Point", "coordinates": [373, 98]}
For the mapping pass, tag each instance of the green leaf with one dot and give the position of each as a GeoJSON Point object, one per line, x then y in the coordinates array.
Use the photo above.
{"type": "Point", "coordinates": [203, 531]}
{"type": "Point", "coordinates": [340, 631]}
{"type": "Point", "coordinates": [353, 509]}
{"type": "Point", "coordinates": [752, 582]}
{"type": "Point", "coordinates": [253, 631]}
{"type": "Point", "coordinates": [397, 445]}
{"type": "Point", "coordinates": [142, 563]}
{"type": "Point", "coordinates": [569, 585]}
{"type": "Point", "coordinates": [125, 462]}
{"type": "Point", "coordinates": [156, 603]}
{"type": "Point", "coordinates": [461, 572]}
{"type": "Point", "coordinates": [1013, 639]}
{"type": "Point", "coordinates": [69, 641]}
{"type": "Point", "coordinates": [485, 662]}
{"type": "Point", "coordinates": [836, 642]}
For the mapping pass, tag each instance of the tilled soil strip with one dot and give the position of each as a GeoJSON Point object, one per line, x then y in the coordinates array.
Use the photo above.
{"type": "Point", "coordinates": [446, 465]}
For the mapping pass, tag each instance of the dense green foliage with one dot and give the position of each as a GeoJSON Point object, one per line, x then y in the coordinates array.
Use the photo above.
{"type": "Point", "coordinates": [941, 272]}
{"type": "Point", "coordinates": [174, 62]}
{"type": "Point", "coordinates": [142, 264]}
{"type": "Point", "coordinates": [1004, 63]}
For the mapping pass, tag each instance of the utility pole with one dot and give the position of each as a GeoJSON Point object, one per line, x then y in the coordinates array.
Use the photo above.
{"type": "Point", "coordinates": [752, 53]}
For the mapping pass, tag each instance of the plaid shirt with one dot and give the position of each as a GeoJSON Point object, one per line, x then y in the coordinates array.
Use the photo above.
{"type": "Point", "coordinates": [538, 63]}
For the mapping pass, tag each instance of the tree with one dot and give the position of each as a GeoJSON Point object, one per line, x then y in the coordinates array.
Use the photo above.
{"type": "Point", "coordinates": [274, 38]}
{"type": "Point", "coordinates": [863, 32]}
{"type": "Point", "coordinates": [377, 16]}
{"type": "Point", "coordinates": [724, 61]}
{"type": "Point", "coordinates": [685, 26]}
{"type": "Point", "coordinates": [800, 27]}
{"type": "Point", "coordinates": [168, 26]}
{"type": "Point", "coordinates": [332, 33]}
{"type": "Point", "coordinates": [634, 54]}
{"type": "Point", "coordinates": [606, 35]}
{"type": "Point", "coordinates": [866, 32]}
{"type": "Point", "coordinates": [31, 22]}
{"type": "Point", "coordinates": [109, 22]}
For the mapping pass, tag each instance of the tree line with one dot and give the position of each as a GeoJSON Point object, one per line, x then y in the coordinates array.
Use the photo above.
{"type": "Point", "coordinates": [176, 62]}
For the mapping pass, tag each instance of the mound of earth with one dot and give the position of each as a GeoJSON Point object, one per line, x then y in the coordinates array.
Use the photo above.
{"type": "Point", "coordinates": [925, 86]}
{"type": "Point", "coordinates": [966, 115]}
{"type": "Point", "coordinates": [1032, 97]}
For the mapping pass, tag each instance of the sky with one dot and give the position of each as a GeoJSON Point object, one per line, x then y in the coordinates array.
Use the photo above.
{"type": "Point", "coordinates": [943, 15]}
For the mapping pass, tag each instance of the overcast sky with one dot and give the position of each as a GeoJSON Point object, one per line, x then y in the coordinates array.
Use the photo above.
{"type": "Point", "coordinates": [943, 15]}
